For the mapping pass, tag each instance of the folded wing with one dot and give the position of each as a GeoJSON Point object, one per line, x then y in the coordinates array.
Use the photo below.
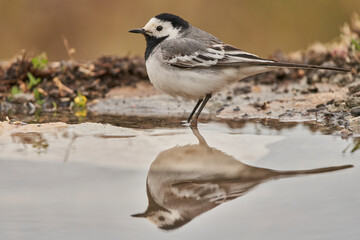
{"type": "Point", "coordinates": [190, 53]}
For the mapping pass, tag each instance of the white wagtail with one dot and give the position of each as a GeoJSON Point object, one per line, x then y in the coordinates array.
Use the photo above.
{"type": "Point", "coordinates": [186, 181]}
{"type": "Point", "coordinates": [182, 60]}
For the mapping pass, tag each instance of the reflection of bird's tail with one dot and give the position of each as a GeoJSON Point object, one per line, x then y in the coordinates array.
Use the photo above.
{"type": "Point", "coordinates": [314, 171]}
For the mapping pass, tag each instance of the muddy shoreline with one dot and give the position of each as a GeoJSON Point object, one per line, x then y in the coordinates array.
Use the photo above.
{"type": "Point", "coordinates": [112, 85]}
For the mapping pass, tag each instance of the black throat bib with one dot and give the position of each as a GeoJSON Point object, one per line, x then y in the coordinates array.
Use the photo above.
{"type": "Point", "coordinates": [151, 43]}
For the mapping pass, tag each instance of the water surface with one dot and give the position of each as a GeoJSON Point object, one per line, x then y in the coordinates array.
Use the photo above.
{"type": "Point", "coordinates": [229, 180]}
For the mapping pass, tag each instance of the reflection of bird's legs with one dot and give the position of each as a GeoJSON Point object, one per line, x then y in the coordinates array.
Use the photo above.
{"type": "Point", "coordinates": [197, 134]}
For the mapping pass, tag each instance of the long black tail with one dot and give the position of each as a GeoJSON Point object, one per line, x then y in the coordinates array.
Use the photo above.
{"type": "Point", "coordinates": [295, 65]}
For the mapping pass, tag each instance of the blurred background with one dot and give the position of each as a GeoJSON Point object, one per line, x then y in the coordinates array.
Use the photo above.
{"type": "Point", "coordinates": [100, 27]}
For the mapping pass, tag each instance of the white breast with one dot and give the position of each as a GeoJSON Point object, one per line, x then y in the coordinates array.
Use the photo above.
{"type": "Point", "coordinates": [190, 82]}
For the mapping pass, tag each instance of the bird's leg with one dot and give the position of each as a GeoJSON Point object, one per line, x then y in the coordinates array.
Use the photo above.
{"type": "Point", "coordinates": [197, 134]}
{"type": "Point", "coordinates": [206, 99]}
{"type": "Point", "coordinates": [194, 110]}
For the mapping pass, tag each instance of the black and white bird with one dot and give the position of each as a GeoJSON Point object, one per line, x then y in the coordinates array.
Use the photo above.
{"type": "Point", "coordinates": [184, 182]}
{"type": "Point", "coordinates": [182, 60]}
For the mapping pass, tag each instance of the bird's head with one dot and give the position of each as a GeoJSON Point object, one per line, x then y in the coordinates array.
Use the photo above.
{"type": "Point", "coordinates": [166, 220]}
{"type": "Point", "coordinates": [163, 26]}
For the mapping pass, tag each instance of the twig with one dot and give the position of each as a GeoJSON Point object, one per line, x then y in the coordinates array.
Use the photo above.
{"type": "Point", "coordinates": [62, 87]}
{"type": "Point", "coordinates": [69, 51]}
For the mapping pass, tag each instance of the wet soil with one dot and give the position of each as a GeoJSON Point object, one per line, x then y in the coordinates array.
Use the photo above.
{"type": "Point", "coordinates": [119, 86]}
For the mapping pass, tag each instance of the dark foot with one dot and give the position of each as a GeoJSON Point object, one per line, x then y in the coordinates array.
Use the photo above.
{"type": "Point", "coordinates": [193, 123]}
{"type": "Point", "coordinates": [194, 126]}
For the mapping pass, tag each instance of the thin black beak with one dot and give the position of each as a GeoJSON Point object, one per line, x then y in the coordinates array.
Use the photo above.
{"type": "Point", "coordinates": [138, 30]}
{"type": "Point", "coordinates": [140, 215]}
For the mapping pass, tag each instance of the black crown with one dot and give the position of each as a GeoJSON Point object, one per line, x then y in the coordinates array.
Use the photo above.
{"type": "Point", "coordinates": [176, 21]}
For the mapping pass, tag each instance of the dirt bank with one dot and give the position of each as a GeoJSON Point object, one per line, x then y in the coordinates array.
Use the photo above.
{"type": "Point", "coordinates": [119, 85]}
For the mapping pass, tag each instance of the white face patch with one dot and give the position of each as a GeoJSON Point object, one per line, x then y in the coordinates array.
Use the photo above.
{"type": "Point", "coordinates": [154, 25]}
{"type": "Point", "coordinates": [163, 218]}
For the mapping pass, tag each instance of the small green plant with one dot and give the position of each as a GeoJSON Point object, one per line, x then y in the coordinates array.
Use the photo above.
{"type": "Point", "coordinates": [354, 146]}
{"type": "Point", "coordinates": [80, 100]}
{"type": "Point", "coordinates": [80, 106]}
{"type": "Point", "coordinates": [32, 81]}
{"type": "Point", "coordinates": [54, 106]}
{"type": "Point", "coordinates": [355, 44]}
{"type": "Point", "coordinates": [15, 90]}
{"type": "Point", "coordinates": [40, 61]}
{"type": "Point", "coordinates": [38, 96]}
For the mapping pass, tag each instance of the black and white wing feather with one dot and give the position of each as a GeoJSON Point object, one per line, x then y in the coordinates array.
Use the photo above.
{"type": "Point", "coordinates": [190, 53]}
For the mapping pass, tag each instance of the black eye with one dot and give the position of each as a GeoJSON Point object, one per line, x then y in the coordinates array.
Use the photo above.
{"type": "Point", "coordinates": [159, 28]}
{"type": "Point", "coordinates": [161, 218]}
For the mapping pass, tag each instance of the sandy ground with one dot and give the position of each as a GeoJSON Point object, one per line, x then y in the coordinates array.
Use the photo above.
{"type": "Point", "coordinates": [287, 101]}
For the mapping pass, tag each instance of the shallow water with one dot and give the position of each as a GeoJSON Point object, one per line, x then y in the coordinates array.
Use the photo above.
{"type": "Point", "coordinates": [231, 180]}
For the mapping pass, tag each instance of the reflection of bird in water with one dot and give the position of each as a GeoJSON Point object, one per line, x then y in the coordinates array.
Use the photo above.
{"type": "Point", "coordinates": [186, 181]}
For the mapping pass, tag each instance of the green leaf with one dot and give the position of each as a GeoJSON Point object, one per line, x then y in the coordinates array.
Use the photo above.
{"type": "Point", "coordinates": [37, 94]}
{"type": "Point", "coordinates": [40, 61]}
{"type": "Point", "coordinates": [38, 98]}
{"type": "Point", "coordinates": [32, 81]}
{"type": "Point", "coordinates": [40, 101]}
{"type": "Point", "coordinates": [356, 44]}
{"type": "Point", "coordinates": [54, 105]}
{"type": "Point", "coordinates": [356, 147]}
{"type": "Point", "coordinates": [15, 90]}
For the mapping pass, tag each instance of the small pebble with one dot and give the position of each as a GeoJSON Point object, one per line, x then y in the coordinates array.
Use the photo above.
{"type": "Point", "coordinates": [354, 87]}
{"type": "Point", "coordinates": [355, 111]}
{"type": "Point", "coordinates": [237, 109]}
{"type": "Point", "coordinates": [353, 102]}
{"type": "Point", "coordinates": [220, 110]}
{"type": "Point", "coordinates": [229, 98]}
